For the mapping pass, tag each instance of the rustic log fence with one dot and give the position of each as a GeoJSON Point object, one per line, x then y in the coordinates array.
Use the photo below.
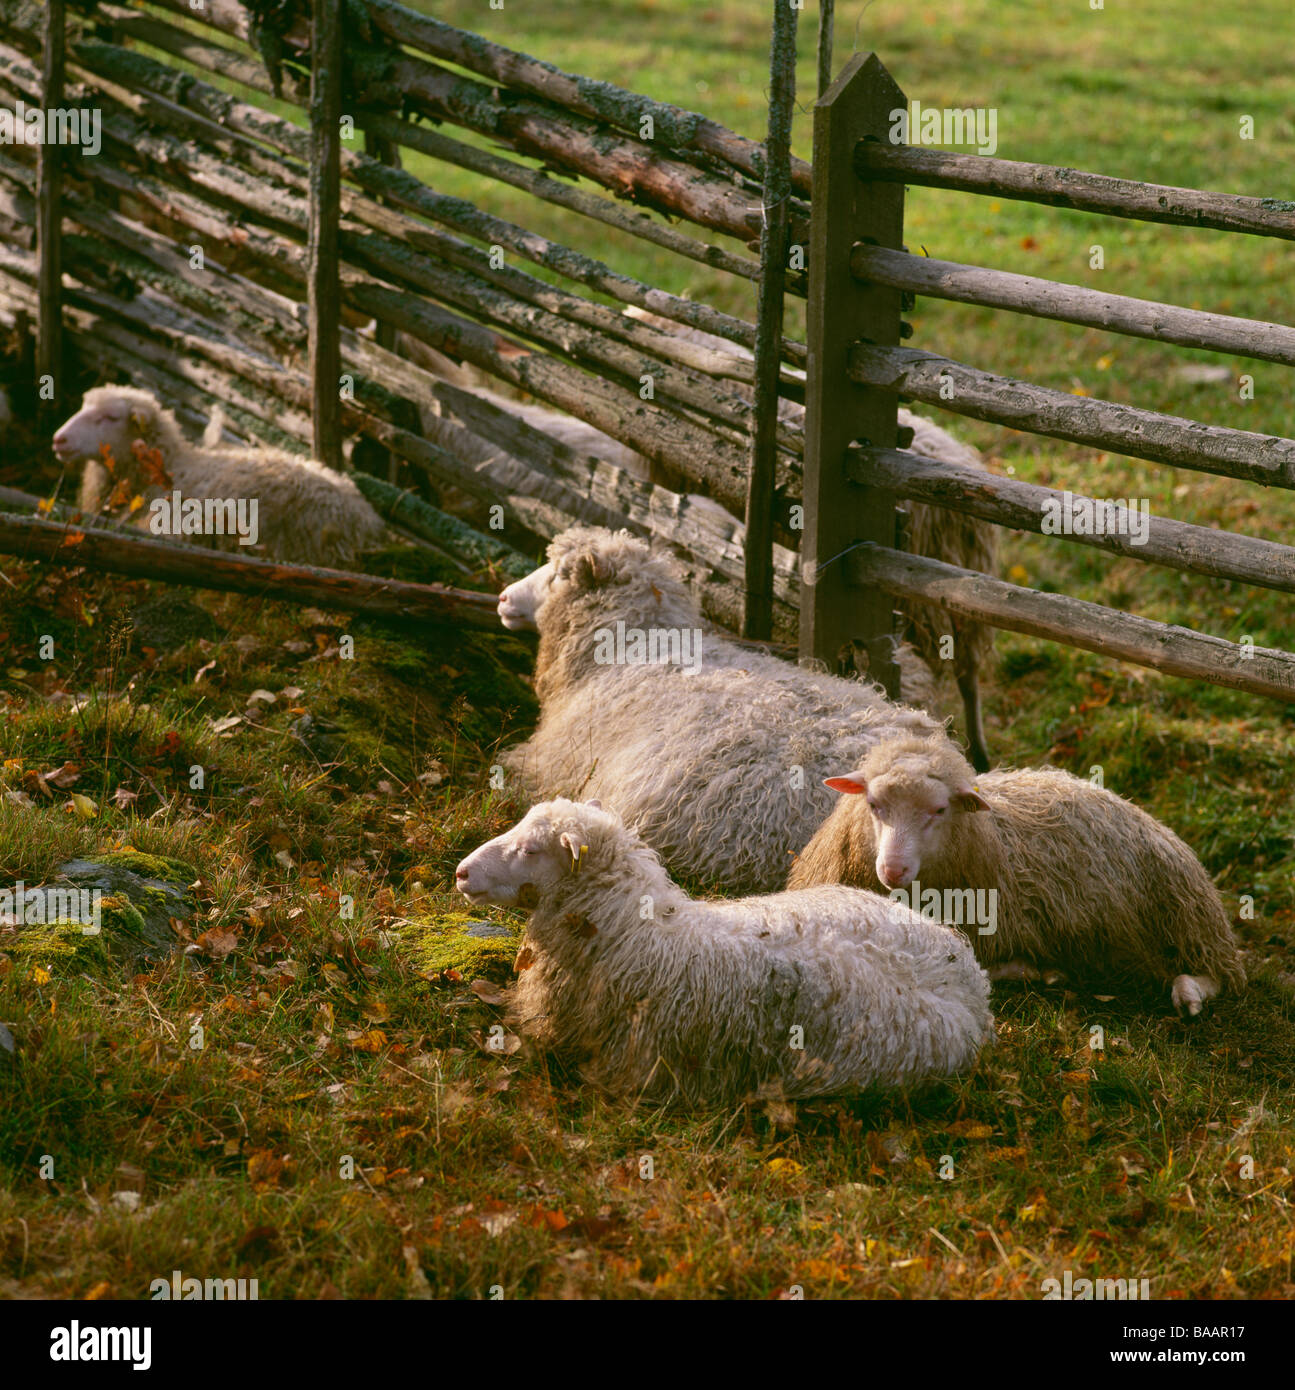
{"type": "Point", "coordinates": [854, 475]}
{"type": "Point", "coordinates": [267, 325]}
{"type": "Point", "coordinates": [306, 232]}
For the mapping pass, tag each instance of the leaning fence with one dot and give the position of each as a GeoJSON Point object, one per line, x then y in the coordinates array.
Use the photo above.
{"type": "Point", "coordinates": [192, 262]}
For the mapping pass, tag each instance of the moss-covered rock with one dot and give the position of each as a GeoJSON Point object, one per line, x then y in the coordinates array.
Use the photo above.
{"type": "Point", "coordinates": [176, 872]}
{"type": "Point", "coordinates": [471, 947]}
{"type": "Point", "coordinates": [135, 896]}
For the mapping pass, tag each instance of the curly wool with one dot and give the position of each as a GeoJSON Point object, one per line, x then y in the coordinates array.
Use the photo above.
{"type": "Point", "coordinates": [1087, 882]}
{"type": "Point", "coordinates": [697, 1004]}
{"type": "Point", "coordinates": [937, 532]}
{"type": "Point", "coordinates": [307, 513]}
{"type": "Point", "coordinates": [720, 770]}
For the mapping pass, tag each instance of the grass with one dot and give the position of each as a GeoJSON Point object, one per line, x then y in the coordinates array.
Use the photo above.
{"type": "Point", "coordinates": [310, 1096]}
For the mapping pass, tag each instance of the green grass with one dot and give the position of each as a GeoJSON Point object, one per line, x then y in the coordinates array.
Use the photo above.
{"type": "Point", "coordinates": [333, 1041]}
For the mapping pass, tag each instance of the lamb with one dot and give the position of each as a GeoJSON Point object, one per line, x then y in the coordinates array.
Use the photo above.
{"type": "Point", "coordinates": [933, 531]}
{"type": "Point", "coordinates": [672, 999]}
{"type": "Point", "coordinates": [131, 445]}
{"type": "Point", "coordinates": [713, 751]}
{"type": "Point", "coordinates": [1079, 879]}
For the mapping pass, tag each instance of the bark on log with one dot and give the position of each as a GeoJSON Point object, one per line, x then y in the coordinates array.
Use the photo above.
{"type": "Point", "coordinates": [1073, 188]}
{"type": "Point", "coordinates": [1177, 651]}
{"type": "Point", "coordinates": [1123, 429]}
{"type": "Point", "coordinates": [1050, 299]}
{"type": "Point", "coordinates": [50, 542]}
{"type": "Point", "coordinates": [1010, 502]}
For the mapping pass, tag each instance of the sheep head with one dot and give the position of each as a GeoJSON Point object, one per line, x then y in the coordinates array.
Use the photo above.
{"type": "Point", "coordinates": [112, 419]}
{"type": "Point", "coordinates": [528, 864]}
{"type": "Point", "coordinates": [913, 789]}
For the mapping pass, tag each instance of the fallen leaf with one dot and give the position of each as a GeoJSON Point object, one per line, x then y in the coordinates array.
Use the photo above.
{"type": "Point", "coordinates": [487, 992]}
{"type": "Point", "coordinates": [217, 942]}
{"type": "Point", "coordinates": [85, 808]}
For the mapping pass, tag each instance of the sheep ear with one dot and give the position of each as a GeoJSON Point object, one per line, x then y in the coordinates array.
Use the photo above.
{"type": "Point", "coordinates": [969, 799]}
{"type": "Point", "coordinates": [588, 570]}
{"type": "Point", "coordinates": [577, 851]}
{"type": "Point", "coordinates": [595, 803]}
{"type": "Point", "coordinates": [852, 784]}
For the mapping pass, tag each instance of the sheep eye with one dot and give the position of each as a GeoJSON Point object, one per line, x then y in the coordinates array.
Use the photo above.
{"type": "Point", "coordinates": [940, 811]}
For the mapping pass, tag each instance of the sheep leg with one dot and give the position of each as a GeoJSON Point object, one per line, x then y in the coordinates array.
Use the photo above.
{"type": "Point", "coordinates": [977, 744]}
{"type": "Point", "coordinates": [1014, 970]}
{"type": "Point", "coordinates": [1191, 991]}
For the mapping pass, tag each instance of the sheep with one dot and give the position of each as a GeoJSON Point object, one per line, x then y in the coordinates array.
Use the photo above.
{"type": "Point", "coordinates": [956, 539]}
{"type": "Point", "coordinates": [673, 999]}
{"type": "Point", "coordinates": [131, 445]}
{"type": "Point", "coordinates": [716, 753]}
{"type": "Point", "coordinates": [1077, 878]}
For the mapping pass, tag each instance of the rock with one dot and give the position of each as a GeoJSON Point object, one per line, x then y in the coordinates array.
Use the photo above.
{"type": "Point", "coordinates": [466, 945]}
{"type": "Point", "coordinates": [137, 895]}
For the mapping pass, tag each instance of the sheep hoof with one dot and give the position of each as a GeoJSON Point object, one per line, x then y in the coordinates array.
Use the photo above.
{"type": "Point", "coordinates": [1191, 991]}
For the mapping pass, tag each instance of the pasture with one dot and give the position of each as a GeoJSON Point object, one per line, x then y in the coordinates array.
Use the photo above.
{"type": "Point", "coordinates": [345, 1129]}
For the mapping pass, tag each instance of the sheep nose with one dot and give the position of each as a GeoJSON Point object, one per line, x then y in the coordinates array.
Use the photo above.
{"type": "Point", "coordinates": [895, 875]}
{"type": "Point", "coordinates": [461, 876]}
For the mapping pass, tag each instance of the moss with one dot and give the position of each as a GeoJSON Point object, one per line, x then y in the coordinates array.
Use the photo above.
{"type": "Point", "coordinates": [59, 941]}
{"type": "Point", "coordinates": [175, 871]}
{"type": "Point", "coordinates": [448, 941]}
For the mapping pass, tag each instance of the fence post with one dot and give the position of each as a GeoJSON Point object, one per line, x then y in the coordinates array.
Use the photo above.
{"type": "Point", "coordinates": [381, 148]}
{"type": "Point", "coordinates": [836, 618]}
{"type": "Point", "coordinates": [323, 288]}
{"type": "Point", "coordinates": [826, 21]}
{"type": "Point", "coordinates": [757, 612]}
{"type": "Point", "coordinates": [49, 219]}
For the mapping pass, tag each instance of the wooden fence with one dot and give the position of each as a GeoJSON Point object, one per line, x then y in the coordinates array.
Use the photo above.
{"type": "Point", "coordinates": [853, 472]}
{"type": "Point", "coordinates": [225, 254]}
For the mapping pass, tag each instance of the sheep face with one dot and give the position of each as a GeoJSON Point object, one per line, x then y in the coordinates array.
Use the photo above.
{"type": "Point", "coordinates": [519, 604]}
{"type": "Point", "coordinates": [912, 811]}
{"type": "Point", "coordinates": [104, 419]}
{"type": "Point", "coordinates": [522, 866]}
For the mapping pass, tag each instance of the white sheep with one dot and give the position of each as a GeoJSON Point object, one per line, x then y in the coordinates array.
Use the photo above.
{"type": "Point", "coordinates": [661, 996]}
{"type": "Point", "coordinates": [713, 751]}
{"type": "Point", "coordinates": [936, 532]}
{"type": "Point", "coordinates": [132, 446]}
{"type": "Point", "coordinates": [1082, 881]}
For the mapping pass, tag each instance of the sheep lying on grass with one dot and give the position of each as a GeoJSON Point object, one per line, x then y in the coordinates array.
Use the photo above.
{"type": "Point", "coordinates": [659, 995]}
{"type": "Point", "coordinates": [132, 446]}
{"type": "Point", "coordinates": [714, 752]}
{"type": "Point", "coordinates": [941, 534]}
{"type": "Point", "coordinates": [1085, 882]}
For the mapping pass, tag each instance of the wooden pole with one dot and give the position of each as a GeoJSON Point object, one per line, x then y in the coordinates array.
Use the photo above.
{"type": "Point", "coordinates": [323, 281]}
{"type": "Point", "coordinates": [1053, 299]}
{"type": "Point", "coordinates": [1177, 651]}
{"type": "Point", "coordinates": [49, 216]}
{"type": "Point", "coordinates": [757, 618]}
{"type": "Point", "coordinates": [826, 18]}
{"type": "Point", "coordinates": [385, 151]}
{"type": "Point", "coordinates": [834, 615]}
{"type": "Point", "coordinates": [141, 557]}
